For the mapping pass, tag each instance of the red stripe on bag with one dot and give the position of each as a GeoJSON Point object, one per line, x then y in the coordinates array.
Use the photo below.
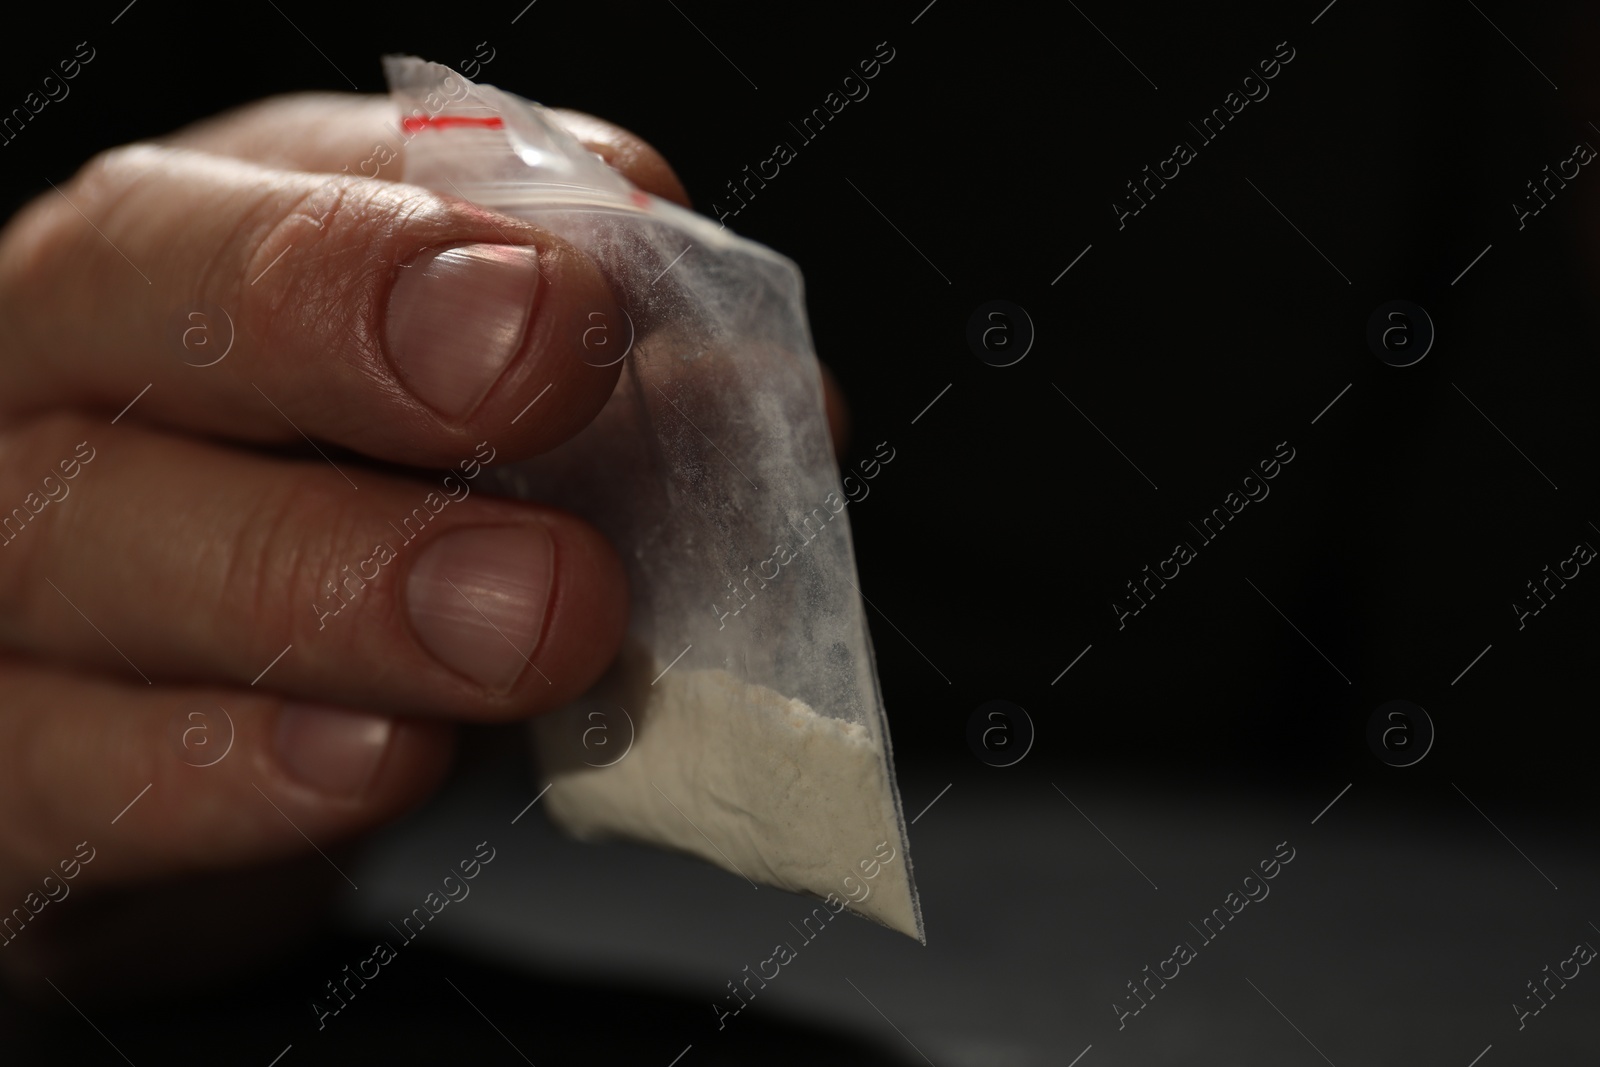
{"type": "Point", "coordinates": [414, 123]}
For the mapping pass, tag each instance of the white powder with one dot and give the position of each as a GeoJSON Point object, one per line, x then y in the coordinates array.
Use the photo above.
{"type": "Point", "coordinates": [739, 775]}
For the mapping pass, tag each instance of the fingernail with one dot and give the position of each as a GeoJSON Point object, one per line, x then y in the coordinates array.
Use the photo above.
{"type": "Point", "coordinates": [457, 317]}
{"type": "Point", "coordinates": [332, 750]}
{"type": "Point", "coordinates": [477, 599]}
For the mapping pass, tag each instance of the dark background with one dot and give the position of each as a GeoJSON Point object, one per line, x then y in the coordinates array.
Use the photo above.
{"type": "Point", "coordinates": [1196, 338]}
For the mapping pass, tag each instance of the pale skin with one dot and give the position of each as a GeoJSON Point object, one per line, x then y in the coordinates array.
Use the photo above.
{"type": "Point", "coordinates": [184, 556]}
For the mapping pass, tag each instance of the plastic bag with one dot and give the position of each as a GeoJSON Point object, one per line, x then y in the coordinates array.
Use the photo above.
{"type": "Point", "coordinates": [743, 721]}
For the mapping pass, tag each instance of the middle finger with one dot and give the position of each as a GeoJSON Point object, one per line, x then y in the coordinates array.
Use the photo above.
{"type": "Point", "coordinates": [143, 553]}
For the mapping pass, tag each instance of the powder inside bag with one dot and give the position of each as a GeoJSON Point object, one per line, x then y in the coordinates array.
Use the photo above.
{"type": "Point", "coordinates": [739, 775]}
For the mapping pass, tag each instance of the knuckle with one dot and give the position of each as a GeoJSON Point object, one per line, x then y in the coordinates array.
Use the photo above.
{"type": "Point", "coordinates": [46, 237]}
{"type": "Point", "coordinates": [321, 259]}
{"type": "Point", "coordinates": [103, 185]}
{"type": "Point", "coordinates": [110, 170]}
{"type": "Point", "coordinates": [289, 548]}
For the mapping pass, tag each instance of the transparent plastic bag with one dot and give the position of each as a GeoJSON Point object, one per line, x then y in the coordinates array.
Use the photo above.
{"type": "Point", "coordinates": [743, 721]}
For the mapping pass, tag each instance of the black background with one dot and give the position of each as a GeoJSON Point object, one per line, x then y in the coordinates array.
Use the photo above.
{"type": "Point", "coordinates": [1196, 338]}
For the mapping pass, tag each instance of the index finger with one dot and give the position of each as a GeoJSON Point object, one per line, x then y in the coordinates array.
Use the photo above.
{"type": "Point", "coordinates": [382, 317]}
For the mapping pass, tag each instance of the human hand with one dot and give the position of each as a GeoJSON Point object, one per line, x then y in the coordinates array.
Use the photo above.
{"type": "Point", "coordinates": [187, 573]}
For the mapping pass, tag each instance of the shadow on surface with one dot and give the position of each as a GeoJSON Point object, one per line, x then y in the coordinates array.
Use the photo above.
{"type": "Point", "coordinates": [428, 1004]}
